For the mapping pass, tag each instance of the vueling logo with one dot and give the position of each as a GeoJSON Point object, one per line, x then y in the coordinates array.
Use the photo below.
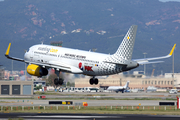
{"type": "Point", "coordinates": [48, 49]}
{"type": "Point", "coordinates": [53, 50]}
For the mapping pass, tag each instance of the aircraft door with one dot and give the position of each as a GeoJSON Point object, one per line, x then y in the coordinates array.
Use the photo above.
{"type": "Point", "coordinates": [41, 57]}
{"type": "Point", "coordinates": [31, 55]}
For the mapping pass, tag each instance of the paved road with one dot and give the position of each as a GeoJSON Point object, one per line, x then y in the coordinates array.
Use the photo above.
{"type": "Point", "coordinates": [102, 95]}
{"type": "Point", "coordinates": [68, 116]}
{"type": "Point", "coordinates": [113, 95]}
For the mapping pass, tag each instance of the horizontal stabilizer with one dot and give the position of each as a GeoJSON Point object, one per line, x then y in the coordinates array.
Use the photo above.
{"type": "Point", "coordinates": [146, 62]}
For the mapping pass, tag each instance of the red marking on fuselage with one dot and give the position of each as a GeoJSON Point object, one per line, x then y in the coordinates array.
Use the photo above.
{"type": "Point", "coordinates": [88, 68]}
{"type": "Point", "coordinates": [80, 65]}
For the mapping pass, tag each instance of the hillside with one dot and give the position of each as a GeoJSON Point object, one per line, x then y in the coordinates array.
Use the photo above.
{"type": "Point", "coordinates": [29, 22]}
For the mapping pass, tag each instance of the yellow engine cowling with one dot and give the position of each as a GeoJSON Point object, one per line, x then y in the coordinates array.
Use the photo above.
{"type": "Point", "coordinates": [36, 70]}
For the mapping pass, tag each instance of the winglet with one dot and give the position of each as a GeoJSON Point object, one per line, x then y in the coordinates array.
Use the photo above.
{"type": "Point", "coordinates": [13, 58]}
{"type": "Point", "coordinates": [8, 49]}
{"type": "Point", "coordinates": [172, 50]}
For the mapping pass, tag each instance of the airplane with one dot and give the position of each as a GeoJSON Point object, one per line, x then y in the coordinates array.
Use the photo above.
{"type": "Point", "coordinates": [42, 57]}
{"type": "Point", "coordinates": [119, 88]}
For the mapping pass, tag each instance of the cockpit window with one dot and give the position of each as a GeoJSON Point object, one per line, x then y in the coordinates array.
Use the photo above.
{"type": "Point", "coordinates": [27, 50]}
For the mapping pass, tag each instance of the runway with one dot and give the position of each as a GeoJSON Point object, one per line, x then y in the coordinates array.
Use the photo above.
{"type": "Point", "coordinates": [90, 102]}
{"type": "Point", "coordinates": [93, 99]}
{"type": "Point", "coordinates": [48, 116]}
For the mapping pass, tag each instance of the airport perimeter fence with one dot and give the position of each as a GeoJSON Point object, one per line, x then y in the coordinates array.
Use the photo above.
{"type": "Point", "coordinates": [100, 108]}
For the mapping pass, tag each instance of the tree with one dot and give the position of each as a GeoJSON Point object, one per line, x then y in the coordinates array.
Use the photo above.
{"type": "Point", "coordinates": [44, 78]}
{"type": "Point", "coordinates": [38, 87]}
{"type": "Point", "coordinates": [70, 84]}
{"type": "Point", "coordinates": [50, 80]}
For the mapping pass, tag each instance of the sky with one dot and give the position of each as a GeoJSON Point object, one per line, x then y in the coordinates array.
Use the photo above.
{"type": "Point", "coordinates": [159, 0]}
{"type": "Point", "coordinates": [169, 0]}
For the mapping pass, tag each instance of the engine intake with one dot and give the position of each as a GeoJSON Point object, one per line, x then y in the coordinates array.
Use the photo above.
{"type": "Point", "coordinates": [36, 70]}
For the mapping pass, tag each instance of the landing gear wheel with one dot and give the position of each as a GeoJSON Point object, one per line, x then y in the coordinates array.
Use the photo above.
{"type": "Point", "coordinates": [60, 81]}
{"type": "Point", "coordinates": [56, 81]}
{"type": "Point", "coordinates": [96, 81]}
{"type": "Point", "coordinates": [91, 81]}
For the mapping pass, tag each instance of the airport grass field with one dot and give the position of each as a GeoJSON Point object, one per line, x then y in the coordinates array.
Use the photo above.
{"type": "Point", "coordinates": [103, 103]}
{"type": "Point", "coordinates": [152, 110]}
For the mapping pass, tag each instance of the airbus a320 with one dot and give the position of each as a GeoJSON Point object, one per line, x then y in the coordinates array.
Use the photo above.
{"type": "Point", "coordinates": [42, 57]}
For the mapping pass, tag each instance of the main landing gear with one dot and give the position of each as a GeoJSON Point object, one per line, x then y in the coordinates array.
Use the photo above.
{"type": "Point", "coordinates": [93, 81]}
{"type": "Point", "coordinates": [59, 80]}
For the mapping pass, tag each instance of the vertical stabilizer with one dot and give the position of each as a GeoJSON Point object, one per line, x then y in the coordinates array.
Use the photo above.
{"type": "Point", "coordinates": [126, 85]}
{"type": "Point", "coordinates": [125, 49]}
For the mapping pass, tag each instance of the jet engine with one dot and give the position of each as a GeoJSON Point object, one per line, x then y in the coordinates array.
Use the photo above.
{"type": "Point", "coordinates": [36, 70]}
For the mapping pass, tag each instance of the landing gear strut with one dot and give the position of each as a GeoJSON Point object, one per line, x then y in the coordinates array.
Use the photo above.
{"type": "Point", "coordinates": [93, 81]}
{"type": "Point", "coordinates": [122, 91]}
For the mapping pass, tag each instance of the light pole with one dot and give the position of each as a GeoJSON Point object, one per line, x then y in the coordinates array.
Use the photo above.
{"type": "Point", "coordinates": [173, 70]}
{"type": "Point", "coordinates": [12, 66]}
{"type": "Point", "coordinates": [25, 66]}
{"type": "Point", "coordinates": [144, 64]}
{"type": "Point", "coordinates": [25, 71]}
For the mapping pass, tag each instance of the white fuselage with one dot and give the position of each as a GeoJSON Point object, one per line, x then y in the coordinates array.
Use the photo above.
{"type": "Point", "coordinates": [90, 63]}
{"type": "Point", "coordinates": [115, 88]}
{"type": "Point", "coordinates": [119, 88]}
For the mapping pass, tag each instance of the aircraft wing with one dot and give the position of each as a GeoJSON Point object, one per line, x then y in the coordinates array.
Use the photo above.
{"type": "Point", "coordinates": [147, 60]}
{"type": "Point", "coordinates": [9, 57]}
{"type": "Point", "coordinates": [58, 65]}
{"type": "Point", "coordinates": [65, 67]}
{"type": "Point", "coordinates": [51, 64]}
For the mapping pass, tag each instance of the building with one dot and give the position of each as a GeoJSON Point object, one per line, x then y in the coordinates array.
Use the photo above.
{"type": "Point", "coordinates": [39, 83]}
{"type": "Point", "coordinates": [16, 87]}
{"type": "Point", "coordinates": [1, 73]}
{"type": "Point", "coordinates": [57, 43]}
{"type": "Point", "coordinates": [136, 82]}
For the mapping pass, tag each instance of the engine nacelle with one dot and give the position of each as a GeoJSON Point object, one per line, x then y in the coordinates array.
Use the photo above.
{"type": "Point", "coordinates": [36, 70]}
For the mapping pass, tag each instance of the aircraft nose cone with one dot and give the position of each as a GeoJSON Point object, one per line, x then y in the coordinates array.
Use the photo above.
{"type": "Point", "coordinates": [26, 56]}
{"type": "Point", "coordinates": [137, 64]}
